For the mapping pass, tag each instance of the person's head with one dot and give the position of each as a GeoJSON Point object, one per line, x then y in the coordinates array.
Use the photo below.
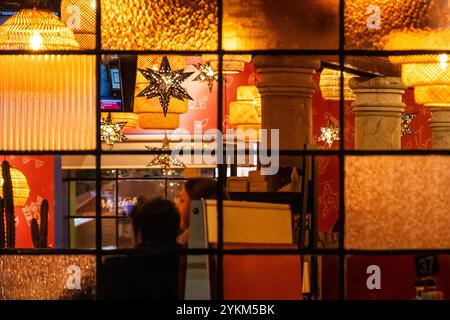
{"type": "Point", "coordinates": [195, 189]}
{"type": "Point", "coordinates": [156, 222]}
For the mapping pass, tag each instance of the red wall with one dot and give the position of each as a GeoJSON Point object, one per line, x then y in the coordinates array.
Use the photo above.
{"type": "Point", "coordinates": [39, 171]}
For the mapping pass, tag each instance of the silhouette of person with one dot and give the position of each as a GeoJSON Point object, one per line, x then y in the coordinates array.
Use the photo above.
{"type": "Point", "coordinates": [142, 275]}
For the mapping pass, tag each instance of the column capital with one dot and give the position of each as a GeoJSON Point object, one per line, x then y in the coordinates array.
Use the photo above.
{"type": "Point", "coordinates": [377, 83]}
{"type": "Point", "coordinates": [286, 61]}
{"type": "Point", "coordinates": [379, 94]}
{"type": "Point", "coordinates": [378, 109]}
{"type": "Point", "coordinates": [440, 127]}
{"type": "Point", "coordinates": [286, 75]}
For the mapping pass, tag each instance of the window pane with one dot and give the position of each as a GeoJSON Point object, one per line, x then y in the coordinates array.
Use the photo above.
{"type": "Point", "coordinates": [153, 276]}
{"type": "Point", "coordinates": [280, 277]}
{"type": "Point", "coordinates": [54, 111]}
{"type": "Point", "coordinates": [82, 233]}
{"type": "Point", "coordinates": [289, 24]}
{"type": "Point", "coordinates": [47, 277]}
{"type": "Point", "coordinates": [131, 190]}
{"type": "Point", "coordinates": [393, 277]}
{"type": "Point", "coordinates": [53, 25]}
{"type": "Point", "coordinates": [38, 198]}
{"type": "Point", "coordinates": [397, 202]}
{"type": "Point", "coordinates": [159, 25]}
{"type": "Point", "coordinates": [372, 24]}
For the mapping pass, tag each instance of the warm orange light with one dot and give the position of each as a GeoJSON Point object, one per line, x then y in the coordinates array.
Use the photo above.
{"type": "Point", "coordinates": [33, 29]}
{"type": "Point", "coordinates": [36, 41]}
{"type": "Point", "coordinates": [21, 190]}
{"type": "Point", "coordinates": [428, 73]}
{"type": "Point", "coordinates": [397, 202]}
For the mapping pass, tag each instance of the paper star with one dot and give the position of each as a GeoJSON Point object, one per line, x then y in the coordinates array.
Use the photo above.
{"type": "Point", "coordinates": [206, 74]}
{"type": "Point", "coordinates": [111, 132]}
{"type": "Point", "coordinates": [406, 120]}
{"type": "Point", "coordinates": [165, 160]}
{"type": "Point", "coordinates": [329, 135]}
{"type": "Point", "coordinates": [165, 84]}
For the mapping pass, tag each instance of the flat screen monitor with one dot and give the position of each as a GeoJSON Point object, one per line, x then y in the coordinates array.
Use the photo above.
{"type": "Point", "coordinates": [111, 85]}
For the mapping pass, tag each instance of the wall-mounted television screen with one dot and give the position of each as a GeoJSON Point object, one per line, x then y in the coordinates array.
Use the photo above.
{"type": "Point", "coordinates": [111, 84]}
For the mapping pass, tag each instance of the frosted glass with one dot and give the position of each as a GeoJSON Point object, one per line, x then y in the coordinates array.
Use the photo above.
{"type": "Point", "coordinates": [47, 102]}
{"type": "Point", "coordinates": [397, 202]}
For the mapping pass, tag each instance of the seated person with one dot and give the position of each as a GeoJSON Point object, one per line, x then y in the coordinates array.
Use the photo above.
{"type": "Point", "coordinates": [194, 189]}
{"type": "Point", "coordinates": [144, 276]}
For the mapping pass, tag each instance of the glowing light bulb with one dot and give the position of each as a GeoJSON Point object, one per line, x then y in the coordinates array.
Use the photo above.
{"type": "Point", "coordinates": [443, 61]}
{"type": "Point", "coordinates": [36, 41]}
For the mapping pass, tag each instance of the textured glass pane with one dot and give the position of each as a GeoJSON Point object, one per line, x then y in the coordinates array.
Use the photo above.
{"type": "Point", "coordinates": [405, 277]}
{"type": "Point", "coordinates": [397, 202]}
{"type": "Point", "coordinates": [288, 24]}
{"type": "Point", "coordinates": [413, 24]}
{"type": "Point", "coordinates": [50, 25]}
{"type": "Point", "coordinates": [159, 24]}
{"type": "Point", "coordinates": [80, 17]}
{"type": "Point", "coordinates": [47, 277]}
{"type": "Point", "coordinates": [53, 110]}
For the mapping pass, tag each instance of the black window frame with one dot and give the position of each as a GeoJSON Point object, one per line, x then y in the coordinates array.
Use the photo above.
{"type": "Point", "coordinates": [341, 252]}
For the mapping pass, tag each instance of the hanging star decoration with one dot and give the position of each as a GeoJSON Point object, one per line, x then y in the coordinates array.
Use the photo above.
{"type": "Point", "coordinates": [206, 74]}
{"type": "Point", "coordinates": [329, 134]}
{"type": "Point", "coordinates": [165, 160]}
{"type": "Point", "coordinates": [111, 132]}
{"type": "Point", "coordinates": [165, 84]}
{"type": "Point", "coordinates": [406, 120]}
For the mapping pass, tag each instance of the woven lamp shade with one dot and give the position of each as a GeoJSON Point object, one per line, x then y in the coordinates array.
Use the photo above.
{"type": "Point", "coordinates": [47, 102]}
{"type": "Point", "coordinates": [150, 111]}
{"type": "Point", "coordinates": [429, 74]}
{"type": "Point", "coordinates": [21, 190]}
{"type": "Point", "coordinates": [32, 29]}
{"type": "Point", "coordinates": [245, 113]}
{"type": "Point", "coordinates": [231, 63]}
{"type": "Point", "coordinates": [80, 17]}
{"type": "Point", "coordinates": [130, 118]}
{"type": "Point", "coordinates": [330, 85]}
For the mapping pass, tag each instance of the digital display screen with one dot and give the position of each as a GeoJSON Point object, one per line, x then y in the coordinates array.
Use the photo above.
{"type": "Point", "coordinates": [111, 87]}
{"type": "Point", "coordinates": [111, 105]}
{"type": "Point", "coordinates": [115, 78]}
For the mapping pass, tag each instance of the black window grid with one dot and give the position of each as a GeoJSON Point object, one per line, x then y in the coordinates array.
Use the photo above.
{"type": "Point", "coordinates": [115, 179]}
{"type": "Point", "coordinates": [341, 252]}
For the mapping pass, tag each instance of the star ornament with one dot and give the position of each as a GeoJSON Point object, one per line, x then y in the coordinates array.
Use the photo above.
{"type": "Point", "coordinates": [406, 121]}
{"type": "Point", "coordinates": [165, 84]}
{"type": "Point", "coordinates": [206, 74]}
{"type": "Point", "coordinates": [111, 132]}
{"type": "Point", "coordinates": [329, 135]}
{"type": "Point", "coordinates": [165, 160]}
